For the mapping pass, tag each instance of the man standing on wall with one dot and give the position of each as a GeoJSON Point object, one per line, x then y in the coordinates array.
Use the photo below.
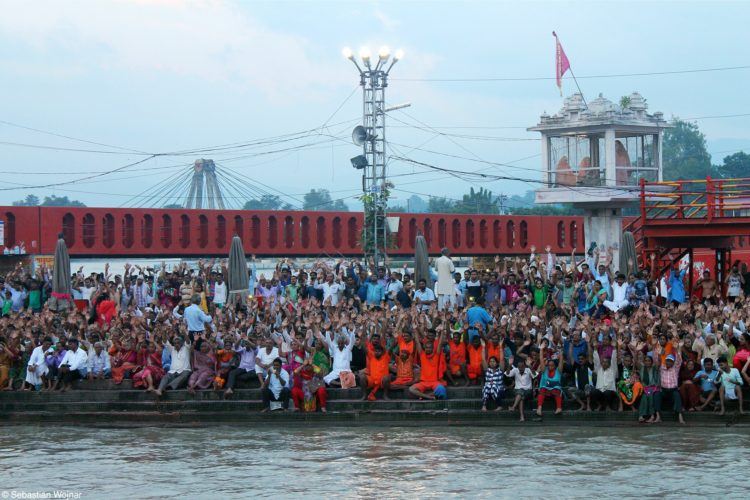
{"type": "Point", "coordinates": [444, 288]}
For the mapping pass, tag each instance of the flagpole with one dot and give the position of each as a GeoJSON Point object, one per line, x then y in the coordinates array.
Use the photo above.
{"type": "Point", "coordinates": [578, 87]}
{"type": "Point", "coordinates": [570, 68]}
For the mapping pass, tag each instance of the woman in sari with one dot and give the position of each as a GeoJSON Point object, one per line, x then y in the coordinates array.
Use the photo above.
{"type": "Point", "coordinates": [150, 370]}
{"type": "Point", "coordinates": [106, 310]}
{"type": "Point", "coordinates": [123, 360]}
{"type": "Point", "coordinates": [651, 400]}
{"type": "Point", "coordinates": [595, 300]}
{"type": "Point", "coordinates": [294, 358]}
{"type": "Point", "coordinates": [225, 362]}
{"type": "Point", "coordinates": [204, 367]}
{"type": "Point", "coordinates": [320, 360]}
{"type": "Point", "coordinates": [309, 391]}
{"type": "Point", "coordinates": [630, 389]}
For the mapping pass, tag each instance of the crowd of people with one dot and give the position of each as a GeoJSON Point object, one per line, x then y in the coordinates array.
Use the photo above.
{"type": "Point", "coordinates": [530, 329]}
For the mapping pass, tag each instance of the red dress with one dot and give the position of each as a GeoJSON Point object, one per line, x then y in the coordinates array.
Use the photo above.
{"type": "Point", "coordinates": [149, 364]}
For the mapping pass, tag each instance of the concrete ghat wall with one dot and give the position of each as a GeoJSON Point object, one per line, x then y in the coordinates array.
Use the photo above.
{"type": "Point", "coordinates": [97, 404]}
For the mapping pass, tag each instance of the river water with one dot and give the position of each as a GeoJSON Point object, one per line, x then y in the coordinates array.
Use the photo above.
{"type": "Point", "coordinates": [236, 462]}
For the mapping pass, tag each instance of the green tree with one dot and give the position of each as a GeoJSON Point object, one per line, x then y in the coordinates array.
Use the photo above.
{"type": "Point", "coordinates": [478, 202]}
{"type": "Point", "coordinates": [440, 205]}
{"type": "Point", "coordinates": [736, 165]}
{"type": "Point", "coordinates": [267, 202]}
{"type": "Point", "coordinates": [30, 201]}
{"type": "Point", "coordinates": [685, 155]}
{"type": "Point", "coordinates": [61, 201]}
{"type": "Point", "coordinates": [320, 199]}
{"type": "Point", "coordinates": [525, 205]}
{"type": "Point", "coordinates": [173, 205]}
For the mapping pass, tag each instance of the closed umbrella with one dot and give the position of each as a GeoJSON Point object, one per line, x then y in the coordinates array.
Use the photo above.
{"type": "Point", "coordinates": [61, 299]}
{"type": "Point", "coordinates": [421, 261]}
{"type": "Point", "coordinates": [237, 279]}
{"type": "Point", "coordinates": [628, 255]}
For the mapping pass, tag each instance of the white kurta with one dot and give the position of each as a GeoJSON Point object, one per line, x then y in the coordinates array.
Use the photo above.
{"type": "Point", "coordinates": [445, 269]}
{"type": "Point", "coordinates": [36, 359]}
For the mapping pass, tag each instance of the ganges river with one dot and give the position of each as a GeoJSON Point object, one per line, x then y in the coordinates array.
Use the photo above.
{"type": "Point", "coordinates": [371, 462]}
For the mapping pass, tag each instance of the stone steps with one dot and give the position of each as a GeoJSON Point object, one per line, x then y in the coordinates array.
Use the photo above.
{"type": "Point", "coordinates": [125, 394]}
{"type": "Point", "coordinates": [101, 402]}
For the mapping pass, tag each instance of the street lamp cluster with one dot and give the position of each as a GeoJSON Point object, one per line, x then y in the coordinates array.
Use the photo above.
{"type": "Point", "coordinates": [373, 77]}
{"type": "Point", "coordinates": [384, 54]}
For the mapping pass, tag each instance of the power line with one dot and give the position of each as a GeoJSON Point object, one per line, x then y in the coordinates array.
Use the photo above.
{"type": "Point", "coordinates": [616, 75]}
{"type": "Point", "coordinates": [32, 129]}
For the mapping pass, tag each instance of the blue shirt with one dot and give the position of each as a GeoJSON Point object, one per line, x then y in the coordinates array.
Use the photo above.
{"type": "Point", "coordinates": [676, 287]}
{"type": "Point", "coordinates": [581, 348]}
{"type": "Point", "coordinates": [604, 280]}
{"type": "Point", "coordinates": [375, 293]}
{"type": "Point", "coordinates": [477, 314]}
{"type": "Point", "coordinates": [708, 384]}
{"type": "Point", "coordinates": [427, 295]}
{"type": "Point", "coordinates": [166, 359]}
{"type": "Point", "coordinates": [251, 279]}
{"type": "Point", "coordinates": [195, 318]}
{"type": "Point", "coordinates": [362, 292]}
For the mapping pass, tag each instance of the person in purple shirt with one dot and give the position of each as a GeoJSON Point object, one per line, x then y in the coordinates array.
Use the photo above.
{"type": "Point", "coordinates": [268, 291]}
{"type": "Point", "coordinates": [53, 360]}
{"type": "Point", "coordinates": [246, 370]}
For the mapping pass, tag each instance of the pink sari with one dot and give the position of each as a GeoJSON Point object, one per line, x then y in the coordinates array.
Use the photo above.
{"type": "Point", "coordinates": [204, 370]}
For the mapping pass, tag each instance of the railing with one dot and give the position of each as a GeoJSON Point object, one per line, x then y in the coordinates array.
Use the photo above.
{"type": "Point", "coordinates": [695, 199]}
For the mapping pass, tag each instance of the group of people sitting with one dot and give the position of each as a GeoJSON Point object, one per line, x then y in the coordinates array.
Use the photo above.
{"type": "Point", "coordinates": [530, 329]}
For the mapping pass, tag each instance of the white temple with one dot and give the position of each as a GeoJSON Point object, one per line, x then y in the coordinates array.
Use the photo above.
{"type": "Point", "coordinates": [595, 157]}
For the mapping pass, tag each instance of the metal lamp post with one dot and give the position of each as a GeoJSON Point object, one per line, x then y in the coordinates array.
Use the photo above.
{"type": "Point", "coordinates": [373, 77]}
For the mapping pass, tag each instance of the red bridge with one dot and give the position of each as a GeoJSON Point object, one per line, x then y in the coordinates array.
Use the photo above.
{"type": "Point", "coordinates": [91, 232]}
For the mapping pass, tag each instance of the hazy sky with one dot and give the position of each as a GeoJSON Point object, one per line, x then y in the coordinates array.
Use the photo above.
{"type": "Point", "coordinates": [162, 76]}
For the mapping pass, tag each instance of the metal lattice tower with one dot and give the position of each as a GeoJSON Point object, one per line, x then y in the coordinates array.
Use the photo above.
{"type": "Point", "coordinates": [204, 176]}
{"type": "Point", "coordinates": [374, 80]}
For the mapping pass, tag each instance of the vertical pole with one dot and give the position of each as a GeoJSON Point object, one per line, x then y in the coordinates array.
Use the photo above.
{"type": "Point", "coordinates": [690, 273]}
{"type": "Point", "coordinates": [710, 200]}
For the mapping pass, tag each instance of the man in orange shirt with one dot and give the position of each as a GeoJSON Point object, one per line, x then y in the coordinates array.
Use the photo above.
{"type": "Point", "coordinates": [432, 369]}
{"type": "Point", "coordinates": [377, 374]}
{"type": "Point", "coordinates": [457, 362]}
{"type": "Point", "coordinates": [403, 369]}
{"type": "Point", "coordinates": [495, 348]}
{"type": "Point", "coordinates": [406, 342]}
{"type": "Point", "coordinates": [475, 366]}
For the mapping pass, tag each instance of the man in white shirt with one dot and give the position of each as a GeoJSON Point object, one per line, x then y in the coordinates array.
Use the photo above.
{"type": "Point", "coordinates": [87, 289]}
{"type": "Point", "coordinates": [275, 386]}
{"type": "Point", "coordinates": [523, 377]}
{"type": "Point", "coordinates": [619, 295]}
{"type": "Point", "coordinates": [179, 370]}
{"type": "Point", "coordinates": [393, 287]}
{"type": "Point", "coordinates": [604, 394]}
{"type": "Point", "coordinates": [98, 363]}
{"type": "Point", "coordinates": [341, 352]}
{"type": "Point", "coordinates": [73, 365]}
{"type": "Point", "coordinates": [424, 297]}
{"type": "Point", "coordinates": [37, 367]}
{"type": "Point", "coordinates": [264, 359]}
{"type": "Point", "coordinates": [330, 289]}
{"type": "Point", "coordinates": [731, 384]}
{"type": "Point", "coordinates": [220, 292]}
{"type": "Point", "coordinates": [445, 286]}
